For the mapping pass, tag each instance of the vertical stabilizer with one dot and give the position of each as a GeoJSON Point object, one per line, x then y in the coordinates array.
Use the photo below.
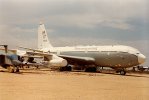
{"type": "Point", "coordinates": [43, 41]}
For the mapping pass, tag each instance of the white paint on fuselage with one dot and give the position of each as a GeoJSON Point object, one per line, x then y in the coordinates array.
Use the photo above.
{"type": "Point", "coordinates": [116, 48]}
{"type": "Point", "coordinates": [104, 48]}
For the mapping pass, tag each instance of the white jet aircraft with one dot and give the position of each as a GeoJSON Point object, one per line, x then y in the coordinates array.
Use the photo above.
{"type": "Point", "coordinates": [118, 57]}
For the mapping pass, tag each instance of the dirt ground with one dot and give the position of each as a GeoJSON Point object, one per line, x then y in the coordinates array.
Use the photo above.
{"type": "Point", "coordinates": [54, 85]}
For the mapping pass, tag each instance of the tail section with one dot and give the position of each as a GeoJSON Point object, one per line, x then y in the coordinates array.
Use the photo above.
{"type": "Point", "coordinates": [43, 41]}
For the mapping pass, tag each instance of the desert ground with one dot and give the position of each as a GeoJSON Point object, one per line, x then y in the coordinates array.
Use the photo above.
{"type": "Point", "coordinates": [54, 85]}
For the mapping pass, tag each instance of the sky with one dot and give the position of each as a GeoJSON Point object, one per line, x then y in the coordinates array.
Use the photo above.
{"type": "Point", "coordinates": [76, 22]}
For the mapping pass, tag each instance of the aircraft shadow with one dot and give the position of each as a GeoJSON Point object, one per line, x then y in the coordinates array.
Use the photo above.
{"type": "Point", "coordinates": [134, 75]}
{"type": "Point", "coordinates": [77, 72]}
{"type": "Point", "coordinates": [127, 74]}
{"type": "Point", "coordinates": [24, 72]}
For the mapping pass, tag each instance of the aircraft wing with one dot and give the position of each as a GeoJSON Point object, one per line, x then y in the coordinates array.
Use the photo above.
{"type": "Point", "coordinates": [35, 50]}
{"type": "Point", "coordinates": [38, 53]}
{"type": "Point", "coordinates": [47, 56]}
{"type": "Point", "coordinates": [78, 60]}
{"type": "Point", "coordinates": [34, 56]}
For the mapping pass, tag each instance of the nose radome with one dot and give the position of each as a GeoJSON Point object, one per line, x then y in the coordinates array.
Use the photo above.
{"type": "Point", "coordinates": [141, 58]}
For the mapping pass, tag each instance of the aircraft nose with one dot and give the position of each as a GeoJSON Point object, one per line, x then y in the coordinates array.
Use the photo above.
{"type": "Point", "coordinates": [141, 58]}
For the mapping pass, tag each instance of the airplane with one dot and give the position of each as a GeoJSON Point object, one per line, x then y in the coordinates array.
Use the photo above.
{"type": "Point", "coordinates": [9, 60]}
{"type": "Point", "coordinates": [28, 59]}
{"type": "Point", "coordinates": [118, 57]}
{"type": "Point", "coordinates": [14, 59]}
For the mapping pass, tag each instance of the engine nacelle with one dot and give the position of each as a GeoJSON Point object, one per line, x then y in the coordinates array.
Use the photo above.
{"type": "Point", "coordinates": [59, 62]}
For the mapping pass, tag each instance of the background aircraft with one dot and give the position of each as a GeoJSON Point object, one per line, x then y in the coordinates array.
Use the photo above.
{"type": "Point", "coordinates": [9, 60]}
{"type": "Point", "coordinates": [13, 60]}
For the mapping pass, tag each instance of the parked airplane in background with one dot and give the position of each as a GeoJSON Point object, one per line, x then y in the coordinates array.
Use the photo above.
{"type": "Point", "coordinates": [9, 59]}
{"type": "Point", "coordinates": [118, 57]}
{"type": "Point", "coordinates": [14, 59]}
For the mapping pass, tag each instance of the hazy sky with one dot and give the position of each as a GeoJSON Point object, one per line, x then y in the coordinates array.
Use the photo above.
{"type": "Point", "coordinates": [76, 22]}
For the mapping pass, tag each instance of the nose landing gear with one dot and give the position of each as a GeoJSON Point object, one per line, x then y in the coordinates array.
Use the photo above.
{"type": "Point", "coordinates": [123, 72]}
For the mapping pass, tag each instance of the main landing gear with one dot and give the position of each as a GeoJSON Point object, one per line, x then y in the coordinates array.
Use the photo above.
{"type": "Point", "coordinates": [91, 69]}
{"type": "Point", "coordinates": [122, 72]}
{"type": "Point", "coordinates": [66, 68]}
{"type": "Point", "coordinates": [12, 69]}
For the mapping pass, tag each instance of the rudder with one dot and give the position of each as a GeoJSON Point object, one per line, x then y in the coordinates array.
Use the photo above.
{"type": "Point", "coordinates": [43, 41]}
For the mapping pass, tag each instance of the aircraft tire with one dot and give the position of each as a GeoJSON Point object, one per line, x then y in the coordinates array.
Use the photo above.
{"type": "Point", "coordinates": [94, 69]}
{"type": "Point", "coordinates": [16, 70]}
{"type": "Point", "coordinates": [10, 69]}
{"type": "Point", "coordinates": [68, 68]}
{"type": "Point", "coordinates": [122, 72]}
{"type": "Point", "coordinates": [91, 69]}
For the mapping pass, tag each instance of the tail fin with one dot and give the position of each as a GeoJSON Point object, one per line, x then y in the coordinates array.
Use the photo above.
{"type": "Point", "coordinates": [43, 41]}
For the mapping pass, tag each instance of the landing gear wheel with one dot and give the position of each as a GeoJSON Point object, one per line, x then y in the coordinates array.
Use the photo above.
{"type": "Point", "coordinates": [122, 72]}
{"type": "Point", "coordinates": [16, 70]}
{"type": "Point", "coordinates": [10, 69]}
{"type": "Point", "coordinates": [67, 68]}
{"type": "Point", "coordinates": [91, 69]}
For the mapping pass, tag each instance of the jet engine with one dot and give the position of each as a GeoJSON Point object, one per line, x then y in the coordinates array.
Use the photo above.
{"type": "Point", "coordinates": [58, 62]}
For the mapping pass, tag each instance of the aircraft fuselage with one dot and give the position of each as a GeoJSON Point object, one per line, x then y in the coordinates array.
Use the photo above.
{"type": "Point", "coordinates": [105, 56]}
